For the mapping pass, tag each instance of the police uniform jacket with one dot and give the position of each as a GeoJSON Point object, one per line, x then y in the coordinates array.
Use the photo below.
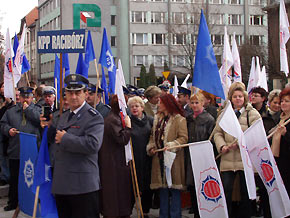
{"type": "Point", "coordinates": [76, 168]}
{"type": "Point", "coordinates": [13, 118]}
{"type": "Point", "coordinates": [103, 109]}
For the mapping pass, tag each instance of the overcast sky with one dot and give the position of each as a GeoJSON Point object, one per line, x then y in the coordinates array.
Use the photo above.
{"type": "Point", "coordinates": [12, 12]}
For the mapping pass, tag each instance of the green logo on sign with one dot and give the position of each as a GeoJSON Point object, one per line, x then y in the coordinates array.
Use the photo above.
{"type": "Point", "coordinates": [88, 14]}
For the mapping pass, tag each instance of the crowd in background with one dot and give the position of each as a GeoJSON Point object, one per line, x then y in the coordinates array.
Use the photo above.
{"type": "Point", "coordinates": [156, 120]}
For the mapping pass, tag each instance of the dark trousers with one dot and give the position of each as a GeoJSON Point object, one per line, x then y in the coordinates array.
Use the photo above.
{"type": "Point", "coordinates": [193, 199]}
{"type": "Point", "coordinates": [228, 178]}
{"type": "Point", "coordinates": [146, 200]}
{"type": "Point", "coordinates": [78, 206]}
{"type": "Point", "coordinates": [14, 165]}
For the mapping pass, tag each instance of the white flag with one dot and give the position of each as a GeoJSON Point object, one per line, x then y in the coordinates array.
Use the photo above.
{"type": "Point", "coordinates": [252, 78]}
{"type": "Point", "coordinates": [208, 185]}
{"type": "Point", "coordinates": [237, 61]}
{"type": "Point", "coordinates": [264, 162]}
{"type": "Point", "coordinates": [284, 36]}
{"type": "Point", "coordinates": [175, 88]}
{"type": "Point", "coordinates": [258, 71]}
{"type": "Point", "coordinates": [263, 79]}
{"type": "Point", "coordinates": [120, 82]}
{"type": "Point", "coordinates": [230, 124]}
{"type": "Point", "coordinates": [225, 70]}
{"type": "Point", "coordinates": [8, 82]}
{"type": "Point", "coordinates": [184, 83]}
{"type": "Point", "coordinates": [17, 67]}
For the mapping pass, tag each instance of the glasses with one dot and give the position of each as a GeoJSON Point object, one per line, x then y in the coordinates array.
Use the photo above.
{"type": "Point", "coordinates": [256, 95]}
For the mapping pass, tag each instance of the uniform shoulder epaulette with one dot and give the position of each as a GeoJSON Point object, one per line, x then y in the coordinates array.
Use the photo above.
{"type": "Point", "coordinates": [93, 111]}
{"type": "Point", "coordinates": [108, 106]}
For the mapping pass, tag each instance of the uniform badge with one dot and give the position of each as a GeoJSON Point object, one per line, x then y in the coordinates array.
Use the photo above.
{"type": "Point", "coordinates": [73, 77]}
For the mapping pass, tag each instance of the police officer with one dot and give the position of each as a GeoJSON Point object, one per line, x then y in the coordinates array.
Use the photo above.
{"type": "Point", "coordinates": [49, 97]}
{"type": "Point", "coordinates": [183, 98]}
{"type": "Point", "coordinates": [78, 138]}
{"type": "Point", "coordinates": [103, 109]}
{"type": "Point", "coordinates": [24, 117]}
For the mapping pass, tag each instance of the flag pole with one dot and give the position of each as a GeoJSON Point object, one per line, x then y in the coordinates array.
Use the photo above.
{"type": "Point", "coordinates": [14, 92]}
{"type": "Point", "coordinates": [35, 202]}
{"type": "Point", "coordinates": [97, 84]}
{"type": "Point", "coordinates": [134, 188]}
{"type": "Point", "coordinates": [60, 85]}
{"type": "Point", "coordinates": [28, 83]}
{"type": "Point", "coordinates": [56, 91]}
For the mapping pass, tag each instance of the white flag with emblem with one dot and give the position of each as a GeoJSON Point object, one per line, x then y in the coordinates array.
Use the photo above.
{"type": "Point", "coordinates": [208, 185]}
{"type": "Point", "coordinates": [284, 36]}
{"type": "Point", "coordinates": [8, 81]}
{"type": "Point", "coordinates": [120, 82]}
{"type": "Point", "coordinates": [230, 124]}
{"type": "Point", "coordinates": [264, 162]}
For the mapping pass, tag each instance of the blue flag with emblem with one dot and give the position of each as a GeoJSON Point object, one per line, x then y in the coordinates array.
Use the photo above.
{"type": "Point", "coordinates": [65, 64]}
{"type": "Point", "coordinates": [57, 75]}
{"type": "Point", "coordinates": [81, 66]}
{"type": "Point", "coordinates": [107, 60]}
{"type": "Point", "coordinates": [90, 53]}
{"type": "Point", "coordinates": [43, 179]}
{"type": "Point", "coordinates": [28, 156]}
{"type": "Point", "coordinates": [206, 73]}
{"type": "Point", "coordinates": [104, 86]}
{"type": "Point", "coordinates": [15, 46]}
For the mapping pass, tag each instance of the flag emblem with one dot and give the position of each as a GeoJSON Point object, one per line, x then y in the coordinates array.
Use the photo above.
{"type": "Point", "coordinates": [268, 172]}
{"type": "Point", "coordinates": [110, 61]}
{"type": "Point", "coordinates": [211, 189]}
{"type": "Point", "coordinates": [28, 173]}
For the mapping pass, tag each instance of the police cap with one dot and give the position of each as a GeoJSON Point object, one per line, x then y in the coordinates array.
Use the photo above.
{"type": "Point", "coordinates": [184, 91]}
{"type": "Point", "coordinates": [75, 82]}
{"type": "Point", "coordinates": [26, 91]}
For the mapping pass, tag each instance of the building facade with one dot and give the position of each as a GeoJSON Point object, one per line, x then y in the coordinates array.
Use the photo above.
{"type": "Point", "coordinates": [159, 32]}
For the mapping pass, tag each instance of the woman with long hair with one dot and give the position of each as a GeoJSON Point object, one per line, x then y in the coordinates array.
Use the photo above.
{"type": "Point", "coordinates": [169, 129]}
{"type": "Point", "coordinates": [116, 193]}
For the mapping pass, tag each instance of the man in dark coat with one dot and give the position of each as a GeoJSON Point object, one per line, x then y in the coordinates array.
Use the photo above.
{"type": "Point", "coordinates": [78, 138]}
{"type": "Point", "coordinates": [183, 97]}
{"type": "Point", "coordinates": [103, 109]}
{"type": "Point", "coordinates": [49, 98]}
{"type": "Point", "coordinates": [24, 117]}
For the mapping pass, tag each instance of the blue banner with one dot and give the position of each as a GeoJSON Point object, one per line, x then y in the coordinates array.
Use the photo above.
{"type": "Point", "coordinates": [61, 41]}
{"type": "Point", "coordinates": [28, 156]}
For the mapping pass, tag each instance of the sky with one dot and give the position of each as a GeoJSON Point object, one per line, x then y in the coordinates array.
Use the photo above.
{"type": "Point", "coordinates": [12, 12]}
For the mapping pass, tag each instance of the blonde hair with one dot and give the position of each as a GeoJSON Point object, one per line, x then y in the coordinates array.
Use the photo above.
{"type": "Point", "coordinates": [238, 86]}
{"type": "Point", "coordinates": [152, 91]}
{"type": "Point", "coordinates": [274, 93]}
{"type": "Point", "coordinates": [136, 99]}
{"type": "Point", "coordinates": [199, 96]}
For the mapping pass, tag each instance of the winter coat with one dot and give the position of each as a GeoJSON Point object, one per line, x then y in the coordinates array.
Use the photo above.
{"type": "Point", "coordinates": [232, 160]}
{"type": "Point", "coordinates": [13, 118]}
{"type": "Point", "coordinates": [148, 110]}
{"type": "Point", "coordinates": [116, 191]}
{"type": "Point", "coordinates": [199, 129]}
{"type": "Point", "coordinates": [175, 133]}
{"type": "Point", "coordinates": [140, 134]}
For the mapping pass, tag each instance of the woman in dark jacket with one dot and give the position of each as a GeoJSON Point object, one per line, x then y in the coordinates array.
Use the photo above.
{"type": "Point", "coordinates": [116, 186]}
{"type": "Point", "coordinates": [200, 125]}
{"type": "Point", "coordinates": [140, 134]}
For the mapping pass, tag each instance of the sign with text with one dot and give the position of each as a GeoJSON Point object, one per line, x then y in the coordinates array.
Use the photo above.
{"type": "Point", "coordinates": [61, 41]}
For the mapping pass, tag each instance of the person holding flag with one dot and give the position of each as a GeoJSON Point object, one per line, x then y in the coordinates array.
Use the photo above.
{"type": "Point", "coordinates": [117, 192]}
{"type": "Point", "coordinates": [231, 162]}
{"type": "Point", "coordinates": [22, 117]}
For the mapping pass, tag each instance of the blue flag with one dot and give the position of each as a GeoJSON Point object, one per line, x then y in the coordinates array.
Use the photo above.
{"type": "Point", "coordinates": [57, 75]}
{"type": "Point", "coordinates": [28, 156]}
{"type": "Point", "coordinates": [15, 46]}
{"type": "Point", "coordinates": [65, 64]}
{"type": "Point", "coordinates": [107, 60]}
{"type": "Point", "coordinates": [206, 73]}
{"type": "Point", "coordinates": [81, 66]}
{"type": "Point", "coordinates": [43, 179]}
{"type": "Point", "coordinates": [90, 53]}
{"type": "Point", "coordinates": [25, 65]}
{"type": "Point", "coordinates": [104, 86]}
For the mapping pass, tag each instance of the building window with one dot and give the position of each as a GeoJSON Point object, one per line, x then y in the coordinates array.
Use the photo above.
{"type": "Point", "coordinates": [235, 19]}
{"type": "Point", "coordinates": [138, 0]}
{"type": "Point", "coordinates": [159, 60]}
{"type": "Point", "coordinates": [196, 1]}
{"type": "Point", "coordinates": [256, 40]}
{"type": "Point", "coordinates": [239, 39]}
{"type": "Point", "coordinates": [217, 19]}
{"type": "Point", "coordinates": [139, 38]}
{"type": "Point", "coordinates": [179, 1]}
{"type": "Point", "coordinates": [178, 17]}
{"type": "Point", "coordinates": [158, 0]}
{"type": "Point", "coordinates": [179, 60]}
{"type": "Point", "coordinates": [255, 2]}
{"type": "Point", "coordinates": [113, 20]}
{"type": "Point", "coordinates": [179, 39]}
{"type": "Point", "coordinates": [256, 20]}
{"type": "Point", "coordinates": [158, 38]}
{"type": "Point", "coordinates": [193, 39]}
{"type": "Point", "coordinates": [140, 60]}
{"type": "Point", "coordinates": [138, 17]}
{"type": "Point", "coordinates": [113, 41]}
{"type": "Point", "coordinates": [157, 17]}
{"type": "Point", "coordinates": [235, 2]}
{"type": "Point", "coordinates": [217, 39]}
{"type": "Point", "coordinates": [219, 2]}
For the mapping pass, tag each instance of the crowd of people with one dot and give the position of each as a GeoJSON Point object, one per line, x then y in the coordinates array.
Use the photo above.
{"type": "Point", "coordinates": [88, 139]}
